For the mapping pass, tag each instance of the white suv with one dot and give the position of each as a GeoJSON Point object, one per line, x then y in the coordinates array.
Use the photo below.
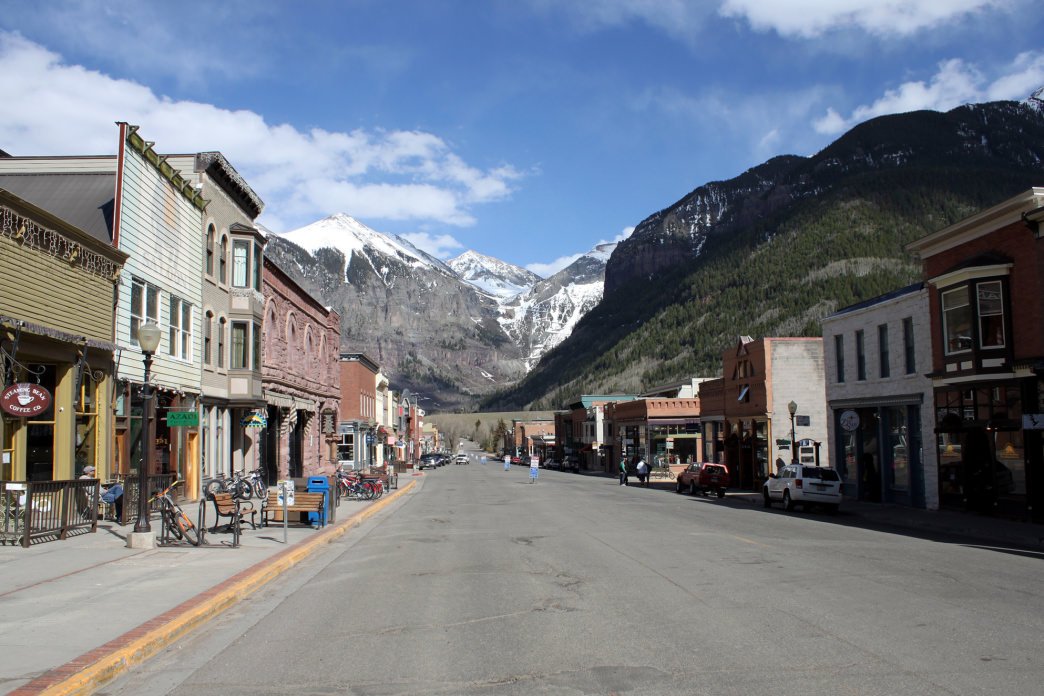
{"type": "Point", "coordinates": [798, 484]}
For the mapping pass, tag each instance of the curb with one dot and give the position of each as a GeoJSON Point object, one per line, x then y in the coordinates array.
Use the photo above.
{"type": "Point", "coordinates": [93, 669]}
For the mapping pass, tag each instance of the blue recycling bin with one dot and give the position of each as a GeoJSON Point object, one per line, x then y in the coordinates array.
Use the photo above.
{"type": "Point", "coordinates": [319, 484]}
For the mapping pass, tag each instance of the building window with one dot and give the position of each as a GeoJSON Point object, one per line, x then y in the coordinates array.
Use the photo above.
{"type": "Point", "coordinates": [957, 321]}
{"type": "Point", "coordinates": [222, 326]}
{"type": "Point", "coordinates": [144, 305]}
{"type": "Point", "coordinates": [239, 345]}
{"type": "Point", "coordinates": [240, 262]}
{"type": "Point", "coordinates": [179, 332]}
{"type": "Point", "coordinates": [346, 448]}
{"type": "Point", "coordinates": [839, 352]}
{"type": "Point", "coordinates": [208, 335]}
{"type": "Point", "coordinates": [255, 347]}
{"type": "Point", "coordinates": [991, 314]}
{"type": "Point", "coordinates": [908, 345]}
{"type": "Point", "coordinates": [223, 261]}
{"type": "Point", "coordinates": [257, 267]}
{"type": "Point", "coordinates": [860, 356]}
{"type": "Point", "coordinates": [882, 349]}
{"type": "Point", "coordinates": [210, 250]}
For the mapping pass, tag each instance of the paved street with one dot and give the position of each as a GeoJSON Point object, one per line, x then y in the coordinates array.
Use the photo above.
{"type": "Point", "coordinates": [478, 582]}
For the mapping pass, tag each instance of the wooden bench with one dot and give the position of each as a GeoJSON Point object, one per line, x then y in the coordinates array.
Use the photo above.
{"type": "Point", "coordinates": [303, 502]}
{"type": "Point", "coordinates": [225, 506]}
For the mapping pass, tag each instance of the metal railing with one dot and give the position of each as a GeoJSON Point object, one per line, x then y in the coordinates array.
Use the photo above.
{"type": "Point", "coordinates": [36, 511]}
{"type": "Point", "coordinates": [153, 484]}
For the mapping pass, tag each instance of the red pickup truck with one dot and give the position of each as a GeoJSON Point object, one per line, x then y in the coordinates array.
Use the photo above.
{"type": "Point", "coordinates": [703, 477]}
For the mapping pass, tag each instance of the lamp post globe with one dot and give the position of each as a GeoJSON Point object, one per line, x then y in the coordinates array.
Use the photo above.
{"type": "Point", "coordinates": [148, 339]}
{"type": "Point", "coordinates": [792, 407]}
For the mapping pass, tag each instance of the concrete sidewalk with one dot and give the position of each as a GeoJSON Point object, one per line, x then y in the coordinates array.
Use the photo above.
{"type": "Point", "coordinates": [76, 613]}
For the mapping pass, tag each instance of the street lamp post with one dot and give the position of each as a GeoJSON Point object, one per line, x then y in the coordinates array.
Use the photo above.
{"type": "Point", "coordinates": [148, 340]}
{"type": "Point", "coordinates": [792, 407]}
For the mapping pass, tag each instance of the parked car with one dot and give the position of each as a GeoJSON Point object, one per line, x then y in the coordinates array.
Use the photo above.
{"type": "Point", "coordinates": [704, 477]}
{"type": "Point", "coordinates": [515, 459]}
{"type": "Point", "coordinates": [798, 484]}
{"type": "Point", "coordinates": [430, 460]}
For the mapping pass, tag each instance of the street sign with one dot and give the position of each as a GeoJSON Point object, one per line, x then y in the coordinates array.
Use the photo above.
{"type": "Point", "coordinates": [369, 438]}
{"type": "Point", "coordinates": [782, 442]}
{"type": "Point", "coordinates": [182, 419]}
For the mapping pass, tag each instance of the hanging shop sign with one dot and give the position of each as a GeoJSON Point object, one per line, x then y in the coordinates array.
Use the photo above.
{"type": "Point", "coordinates": [257, 419]}
{"type": "Point", "coordinates": [25, 400]}
{"type": "Point", "coordinates": [182, 419]}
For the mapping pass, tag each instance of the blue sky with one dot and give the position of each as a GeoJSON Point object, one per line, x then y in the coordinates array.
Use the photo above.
{"type": "Point", "coordinates": [528, 130]}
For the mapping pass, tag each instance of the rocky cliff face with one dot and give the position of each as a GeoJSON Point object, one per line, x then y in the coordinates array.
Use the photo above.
{"type": "Point", "coordinates": [992, 135]}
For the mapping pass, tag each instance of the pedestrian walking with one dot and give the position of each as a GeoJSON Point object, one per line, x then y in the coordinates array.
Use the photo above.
{"type": "Point", "coordinates": [643, 473]}
{"type": "Point", "coordinates": [623, 471]}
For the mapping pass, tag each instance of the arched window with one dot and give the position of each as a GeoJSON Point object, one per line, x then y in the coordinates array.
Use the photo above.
{"type": "Point", "coordinates": [221, 342]}
{"type": "Point", "coordinates": [208, 335]}
{"type": "Point", "coordinates": [223, 261]}
{"type": "Point", "coordinates": [211, 232]}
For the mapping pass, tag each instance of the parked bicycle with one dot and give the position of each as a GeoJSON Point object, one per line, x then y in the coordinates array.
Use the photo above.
{"type": "Point", "coordinates": [351, 484]}
{"type": "Point", "coordinates": [235, 485]}
{"type": "Point", "coordinates": [175, 522]}
{"type": "Point", "coordinates": [256, 479]}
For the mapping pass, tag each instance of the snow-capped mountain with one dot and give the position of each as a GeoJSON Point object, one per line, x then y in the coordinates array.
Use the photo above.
{"type": "Point", "coordinates": [355, 240]}
{"type": "Point", "coordinates": [544, 316]}
{"type": "Point", "coordinates": [498, 278]}
{"type": "Point", "coordinates": [453, 330]}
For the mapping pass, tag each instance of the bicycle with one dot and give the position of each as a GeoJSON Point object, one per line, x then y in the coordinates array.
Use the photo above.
{"type": "Point", "coordinates": [235, 485]}
{"type": "Point", "coordinates": [256, 480]}
{"type": "Point", "coordinates": [175, 522]}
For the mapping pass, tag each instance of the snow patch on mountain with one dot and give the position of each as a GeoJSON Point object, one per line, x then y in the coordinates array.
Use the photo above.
{"type": "Point", "coordinates": [492, 276]}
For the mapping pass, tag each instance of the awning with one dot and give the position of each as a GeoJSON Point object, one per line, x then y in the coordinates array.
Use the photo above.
{"type": "Point", "coordinates": [294, 403]}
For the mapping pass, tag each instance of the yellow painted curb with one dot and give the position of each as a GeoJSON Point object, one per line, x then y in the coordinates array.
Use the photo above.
{"type": "Point", "coordinates": [110, 666]}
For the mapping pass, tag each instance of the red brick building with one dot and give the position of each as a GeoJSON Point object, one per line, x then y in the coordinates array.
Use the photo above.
{"type": "Point", "coordinates": [299, 377]}
{"type": "Point", "coordinates": [986, 301]}
{"type": "Point", "coordinates": [357, 412]}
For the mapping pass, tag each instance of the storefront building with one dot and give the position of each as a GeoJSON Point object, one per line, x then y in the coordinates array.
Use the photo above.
{"type": "Point", "coordinates": [746, 418]}
{"type": "Point", "coordinates": [663, 432]}
{"type": "Point", "coordinates": [986, 306]}
{"type": "Point", "coordinates": [881, 414]}
{"type": "Point", "coordinates": [357, 411]}
{"type": "Point", "coordinates": [57, 287]}
{"type": "Point", "coordinates": [232, 406]}
{"type": "Point", "coordinates": [300, 379]}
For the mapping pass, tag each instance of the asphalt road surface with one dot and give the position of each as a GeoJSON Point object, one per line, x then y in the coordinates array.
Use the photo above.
{"type": "Point", "coordinates": [482, 583]}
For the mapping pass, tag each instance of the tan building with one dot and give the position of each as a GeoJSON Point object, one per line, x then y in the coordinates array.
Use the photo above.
{"type": "Point", "coordinates": [57, 291]}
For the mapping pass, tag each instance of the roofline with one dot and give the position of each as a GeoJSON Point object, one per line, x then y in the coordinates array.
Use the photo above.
{"type": "Point", "coordinates": [1001, 215]}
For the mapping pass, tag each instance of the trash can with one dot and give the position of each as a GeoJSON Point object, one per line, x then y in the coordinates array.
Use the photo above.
{"type": "Point", "coordinates": [320, 484]}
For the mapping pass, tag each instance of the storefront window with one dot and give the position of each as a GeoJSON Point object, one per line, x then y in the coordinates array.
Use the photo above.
{"type": "Point", "coordinates": [86, 430]}
{"type": "Point", "coordinates": [39, 455]}
{"type": "Point", "coordinates": [346, 448]}
{"type": "Point", "coordinates": [1011, 464]}
{"type": "Point", "coordinates": [898, 448]}
{"type": "Point", "coordinates": [7, 450]}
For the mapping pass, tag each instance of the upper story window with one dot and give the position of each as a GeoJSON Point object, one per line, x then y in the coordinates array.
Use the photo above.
{"type": "Point", "coordinates": [144, 305]}
{"type": "Point", "coordinates": [208, 337]}
{"type": "Point", "coordinates": [246, 264]}
{"type": "Point", "coordinates": [839, 353]}
{"type": "Point", "coordinates": [860, 356]}
{"type": "Point", "coordinates": [957, 321]}
{"type": "Point", "coordinates": [882, 349]}
{"type": "Point", "coordinates": [180, 329]}
{"type": "Point", "coordinates": [210, 249]}
{"type": "Point", "coordinates": [222, 332]}
{"type": "Point", "coordinates": [223, 261]}
{"type": "Point", "coordinates": [908, 346]}
{"type": "Point", "coordinates": [255, 346]}
{"type": "Point", "coordinates": [990, 297]}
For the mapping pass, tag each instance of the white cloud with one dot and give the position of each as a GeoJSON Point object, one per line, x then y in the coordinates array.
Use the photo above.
{"type": "Point", "coordinates": [441, 246]}
{"type": "Point", "coordinates": [545, 270]}
{"type": "Point", "coordinates": [50, 107]}
{"type": "Point", "coordinates": [812, 18]}
{"type": "Point", "coordinates": [954, 83]}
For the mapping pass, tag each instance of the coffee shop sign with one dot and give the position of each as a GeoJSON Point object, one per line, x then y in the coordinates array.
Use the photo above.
{"type": "Point", "coordinates": [25, 400]}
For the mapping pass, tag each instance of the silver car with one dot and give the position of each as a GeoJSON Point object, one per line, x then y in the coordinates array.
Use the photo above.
{"type": "Point", "coordinates": [798, 484]}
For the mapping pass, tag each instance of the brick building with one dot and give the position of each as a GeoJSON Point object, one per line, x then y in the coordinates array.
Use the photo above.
{"type": "Point", "coordinates": [300, 379]}
{"type": "Point", "coordinates": [987, 307]}
{"type": "Point", "coordinates": [357, 412]}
